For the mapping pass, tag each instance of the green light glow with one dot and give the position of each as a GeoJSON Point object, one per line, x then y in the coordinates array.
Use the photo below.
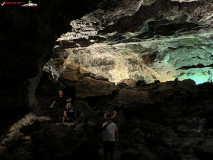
{"type": "Point", "coordinates": [200, 75]}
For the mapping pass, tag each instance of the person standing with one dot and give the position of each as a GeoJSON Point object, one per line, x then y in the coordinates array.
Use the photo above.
{"type": "Point", "coordinates": [110, 135]}
{"type": "Point", "coordinates": [61, 102]}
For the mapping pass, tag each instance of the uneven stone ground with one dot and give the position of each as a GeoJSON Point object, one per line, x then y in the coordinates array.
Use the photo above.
{"type": "Point", "coordinates": [170, 120]}
{"type": "Point", "coordinates": [112, 58]}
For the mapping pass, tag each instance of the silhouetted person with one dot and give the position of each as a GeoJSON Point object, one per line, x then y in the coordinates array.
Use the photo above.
{"type": "Point", "coordinates": [69, 112]}
{"type": "Point", "coordinates": [110, 135]}
{"type": "Point", "coordinates": [61, 102]}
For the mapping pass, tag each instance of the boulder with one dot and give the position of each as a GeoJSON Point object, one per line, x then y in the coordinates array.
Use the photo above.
{"type": "Point", "coordinates": [71, 74]}
{"type": "Point", "coordinates": [89, 87]}
{"type": "Point", "coordinates": [129, 82]}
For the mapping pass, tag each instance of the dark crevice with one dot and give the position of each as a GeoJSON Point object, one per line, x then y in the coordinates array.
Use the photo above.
{"type": "Point", "coordinates": [195, 66]}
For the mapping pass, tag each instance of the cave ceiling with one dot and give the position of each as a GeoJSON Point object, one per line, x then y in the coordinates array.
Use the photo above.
{"type": "Point", "coordinates": [139, 40]}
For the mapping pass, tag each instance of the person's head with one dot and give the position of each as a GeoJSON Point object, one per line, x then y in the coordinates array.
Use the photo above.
{"type": "Point", "coordinates": [68, 105]}
{"type": "Point", "coordinates": [60, 92]}
{"type": "Point", "coordinates": [109, 117]}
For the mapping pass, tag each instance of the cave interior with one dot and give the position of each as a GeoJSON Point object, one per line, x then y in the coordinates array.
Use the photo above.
{"type": "Point", "coordinates": [151, 61]}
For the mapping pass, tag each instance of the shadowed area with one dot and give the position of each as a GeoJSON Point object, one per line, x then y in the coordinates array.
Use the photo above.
{"type": "Point", "coordinates": [148, 60]}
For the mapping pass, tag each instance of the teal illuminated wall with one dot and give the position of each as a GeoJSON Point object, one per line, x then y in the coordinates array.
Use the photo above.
{"type": "Point", "coordinates": [199, 75]}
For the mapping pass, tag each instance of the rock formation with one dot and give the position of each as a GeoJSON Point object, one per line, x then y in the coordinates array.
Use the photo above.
{"type": "Point", "coordinates": [170, 120]}
{"type": "Point", "coordinates": [150, 60]}
{"type": "Point", "coordinates": [27, 39]}
{"type": "Point", "coordinates": [148, 40]}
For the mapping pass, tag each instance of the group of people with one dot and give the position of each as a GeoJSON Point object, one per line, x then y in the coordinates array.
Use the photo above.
{"type": "Point", "coordinates": [109, 128]}
{"type": "Point", "coordinates": [65, 109]}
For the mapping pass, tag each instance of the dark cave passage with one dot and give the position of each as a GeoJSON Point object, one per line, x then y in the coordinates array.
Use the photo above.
{"type": "Point", "coordinates": [27, 38]}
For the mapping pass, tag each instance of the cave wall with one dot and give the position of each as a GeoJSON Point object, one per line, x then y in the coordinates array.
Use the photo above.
{"type": "Point", "coordinates": [27, 38]}
{"type": "Point", "coordinates": [170, 120]}
{"type": "Point", "coordinates": [132, 31]}
{"type": "Point", "coordinates": [140, 40]}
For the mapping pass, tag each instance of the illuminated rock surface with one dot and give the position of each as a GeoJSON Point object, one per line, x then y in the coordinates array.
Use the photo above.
{"type": "Point", "coordinates": [115, 55]}
{"type": "Point", "coordinates": [162, 46]}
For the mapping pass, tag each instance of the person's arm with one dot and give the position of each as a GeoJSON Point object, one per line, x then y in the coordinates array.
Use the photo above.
{"type": "Point", "coordinates": [65, 113]}
{"type": "Point", "coordinates": [102, 126]}
{"type": "Point", "coordinates": [105, 114]}
{"type": "Point", "coordinates": [69, 100]}
{"type": "Point", "coordinates": [114, 114]}
{"type": "Point", "coordinates": [53, 104]}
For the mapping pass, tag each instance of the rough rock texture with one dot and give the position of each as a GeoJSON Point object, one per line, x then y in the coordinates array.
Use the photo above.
{"type": "Point", "coordinates": [148, 40]}
{"type": "Point", "coordinates": [15, 136]}
{"type": "Point", "coordinates": [26, 46]}
{"type": "Point", "coordinates": [89, 87]}
{"type": "Point", "coordinates": [158, 121]}
{"type": "Point", "coordinates": [86, 83]}
{"type": "Point", "coordinates": [27, 37]}
{"type": "Point", "coordinates": [128, 42]}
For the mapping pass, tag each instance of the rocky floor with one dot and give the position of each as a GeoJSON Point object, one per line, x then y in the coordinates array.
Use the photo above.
{"type": "Point", "coordinates": [158, 121]}
{"type": "Point", "coordinates": [112, 56]}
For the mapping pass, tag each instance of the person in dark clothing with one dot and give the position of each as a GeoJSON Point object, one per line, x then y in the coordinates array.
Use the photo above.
{"type": "Point", "coordinates": [61, 102]}
{"type": "Point", "coordinates": [69, 112]}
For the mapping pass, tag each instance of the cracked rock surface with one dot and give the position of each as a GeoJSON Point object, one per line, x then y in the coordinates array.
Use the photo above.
{"type": "Point", "coordinates": [148, 40]}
